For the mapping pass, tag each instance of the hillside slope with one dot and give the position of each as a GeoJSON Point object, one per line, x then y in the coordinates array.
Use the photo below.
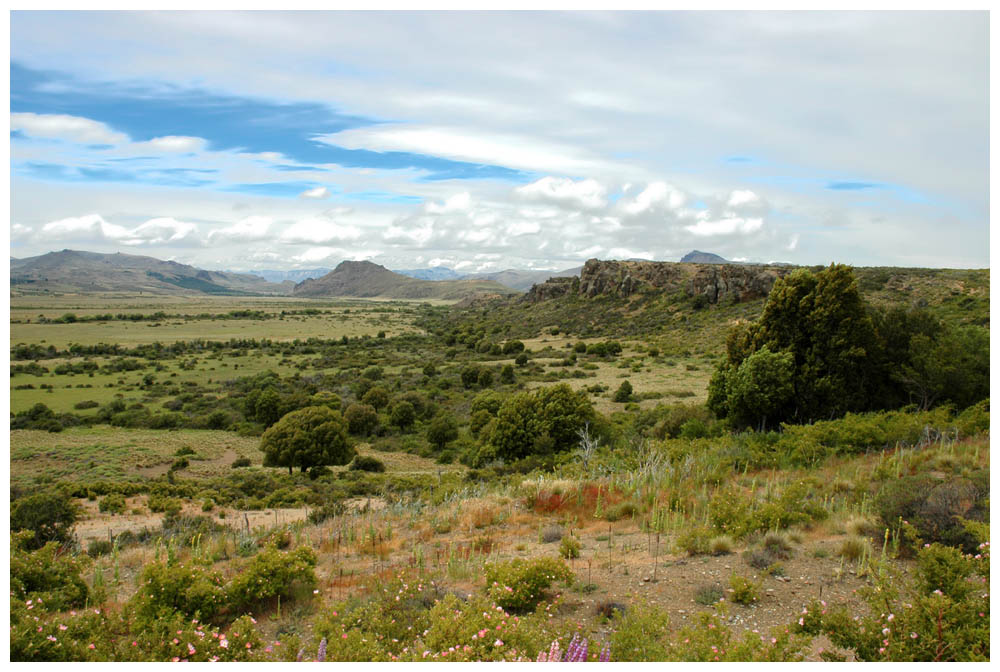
{"type": "Point", "coordinates": [77, 271]}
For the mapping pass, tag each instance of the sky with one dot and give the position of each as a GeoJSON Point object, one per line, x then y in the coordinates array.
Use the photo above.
{"type": "Point", "coordinates": [483, 141]}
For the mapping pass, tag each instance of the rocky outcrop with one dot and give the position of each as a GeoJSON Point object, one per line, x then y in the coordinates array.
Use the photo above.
{"type": "Point", "coordinates": [734, 283]}
{"type": "Point", "coordinates": [716, 282]}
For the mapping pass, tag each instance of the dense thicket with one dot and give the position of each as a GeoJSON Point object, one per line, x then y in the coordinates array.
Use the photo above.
{"type": "Point", "coordinates": [818, 352]}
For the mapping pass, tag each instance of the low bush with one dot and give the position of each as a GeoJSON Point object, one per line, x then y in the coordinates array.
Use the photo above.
{"type": "Point", "coordinates": [367, 463]}
{"type": "Point", "coordinates": [519, 585]}
{"type": "Point", "coordinates": [569, 548]}
{"type": "Point", "coordinates": [743, 591]}
{"type": "Point", "coordinates": [113, 503]}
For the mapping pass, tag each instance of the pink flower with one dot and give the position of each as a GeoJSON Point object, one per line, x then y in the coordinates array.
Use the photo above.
{"type": "Point", "coordinates": [62, 627]}
{"type": "Point", "coordinates": [499, 642]}
{"type": "Point", "coordinates": [91, 646]}
{"type": "Point", "coordinates": [176, 641]}
{"type": "Point", "coordinates": [191, 648]}
{"type": "Point", "coordinates": [223, 643]}
{"type": "Point", "coordinates": [50, 638]}
{"type": "Point", "coordinates": [344, 636]}
{"type": "Point", "coordinates": [913, 635]}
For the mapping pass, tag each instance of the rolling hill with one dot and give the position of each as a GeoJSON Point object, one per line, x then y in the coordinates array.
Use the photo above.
{"type": "Point", "coordinates": [76, 271]}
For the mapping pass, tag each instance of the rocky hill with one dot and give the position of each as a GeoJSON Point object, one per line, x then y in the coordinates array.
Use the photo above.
{"type": "Point", "coordinates": [698, 257]}
{"type": "Point", "coordinates": [76, 271]}
{"type": "Point", "coordinates": [364, 279]}
{"type": "Point", "coordinates": [716, 282]}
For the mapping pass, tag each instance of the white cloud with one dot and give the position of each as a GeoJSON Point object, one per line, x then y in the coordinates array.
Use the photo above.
{"type": "Point", "coordinates": [727, 226]}
{"type": "Point", "coordinates": [625, 253]}
{"type": "Point", "coordinates": [172, 144]}
{"type": "Point", "coordinates": [656, 193]}
{"type": "Point", "coordinates": [247, 229]}
{"type": "Point", "coordinates": [319, 230]}
{"type": "Point", "coordinates": [318, 192]}
{"type": "Point", "coordinates": [511, 150]}
{"type": "Point", "coordinates": [315, 255]}
{"type": "Point", "coordinates": [65, 127]}
{"type": "Point", "coordinates": [588, 194]}
{"type": "Point", "coordinates": [742, 197]}
{"type": "Point", "coordinates": [458, 203]}
{"type": "Point", "coordinates": [523, 228]}
{"type": "Point", "coordinates": [94, 229]}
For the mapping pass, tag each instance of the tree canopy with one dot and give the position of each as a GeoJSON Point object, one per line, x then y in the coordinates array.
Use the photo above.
{"type": "Point", "coordinates": [311, 437]}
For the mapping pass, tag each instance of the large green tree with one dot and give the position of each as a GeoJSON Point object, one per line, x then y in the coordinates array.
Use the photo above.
{"type": "Point", "coordinates": [548, 419]}
{"type": "Point", "coordinates": [311, 437]}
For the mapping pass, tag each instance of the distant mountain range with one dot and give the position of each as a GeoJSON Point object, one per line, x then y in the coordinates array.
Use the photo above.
{"type": "Point", "coordinates": [75, 271]}
{"type": "Point", "coordinates": [296, 275]}
{"type": "Point", "coordinates": [364, 279]}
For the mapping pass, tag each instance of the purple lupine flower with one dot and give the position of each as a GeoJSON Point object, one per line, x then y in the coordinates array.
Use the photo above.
{"type": "Point", "coordinates": [606, 654]}
{"type": "Point", "coordinates": [321, 653]}
{"type": "Point", "coordinates": [302, 653]}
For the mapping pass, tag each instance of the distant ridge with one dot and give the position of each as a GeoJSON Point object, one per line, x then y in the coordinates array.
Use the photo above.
{"type": "Point", "coordinates": [697, 257]}
{"type": "Point", "coordinates": [78, 271]}
{"type": "Point", "coordinates": [435, 274]}
{"type": "Point", "coordinates": [295, 275]}
{"type": "Point", "coordinates": [364, 279]}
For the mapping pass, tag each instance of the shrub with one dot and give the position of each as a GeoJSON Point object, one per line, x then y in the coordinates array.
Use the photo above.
{"type": "Point", "coordinates": [362, 419]}
{"type": "Point", "coordinates": [44, 574]}
{"type": "Point", "coordinates": [742, 590]}
{"type": "Point", "coordinates": [240, 462]}
{"type": "Point", "coordinates": [49, 515]}
{"type": "Point", "coordinates": [99, 547]}
{"type": "Point", "coordinates": [626, 509]}
{"type": "Point", "coordinates": [195, 592]}
{"type": "Point", "coordinates": [721, 545]}
{"type": "Point", "coordinates": [312, 436]}
{"type": "Point", "coordinates": [709, 594]}
{"type": "Point", "coordinates": [695, 541]}
{"type": "Point", "coordinates": [551, 533]}
{"type": "Point", "coordinates": [623, 393]}
{"type": "Point", "coordinates": [777, 545]}
{"type": "Point", "coordinates": [854, 548]}
{"type": "Point", "coordinates": [113, 503]}
{"type": "Point", "coordinates": [83, 405]}
{"type": "Point", "coordinates": [272, 573]}
{"type": "Point", "coordinates": [569, 548]}
{"type": "Point", "coordinates": [608, 609]}
{"type": "Point", "coordinates": [367, 463]}
{"type": "Point", "coordinates": [519, 585]}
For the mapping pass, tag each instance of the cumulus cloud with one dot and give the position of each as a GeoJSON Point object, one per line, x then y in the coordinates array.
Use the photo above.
{"type": "Point", "coordinates": [656, 194]}
{"type": "Point", "coordinates": [588, 194]}
{"type": "Point", "coordinates": [247, 229]}
{"type": "Point", "coordinates": [458, 203]}
{"type": "Point", "coordinates": [315, 255]}
{"type": "Point", "coordinates": [95, 229]}
{"type": "Point", "coordinates": [65, 127]}
{"type": "Point", "coordinates": [317, 193]}
{"type": "Point", "coordinates": [320, 230]}
{"type": "Point", "coordinates": [726, 227]}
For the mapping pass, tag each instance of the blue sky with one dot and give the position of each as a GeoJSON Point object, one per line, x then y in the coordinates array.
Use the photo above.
{"type": "Point", "coordinates": [486, 141]}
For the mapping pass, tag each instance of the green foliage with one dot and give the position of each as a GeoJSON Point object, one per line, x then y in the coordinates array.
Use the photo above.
{"type": "Point", "coordinates": [113, 503]}
{"type": "Point", "coordinates": [367, 463]}
{"type": "Point", "coordinates": [192, 590]}
{"type": "Point", "coordinates": [743, 591]}
{"type": "Point", "coordinates": [313, 436]}
{"type": "Point", "coordinates": [377, 397]}
{"type": "Point", "coordinates": [443, 429]}
{"type": "Point", "coordinates": [403, 415]}
{"type": "Point", "coordinates": [760, 388]}
{"type": "Point", "coordinates": [519, 585]}
{"type": "Point", "coordinates": [709, 594]}
{"type": "Point", "coordinates": [623, 393]}
{"type": "Point", "coordinates": [362, 419]}
{"type": "Point", "coordinates": [44, 575]}
{"type": "Point", "coordinates": [569, 547]}
{"type": "Point", "coordinates": [941, 615]}
{"type": "Point", "coordinates": [543, 421]}
{"type": "Point", "coordinates": [49, 515]}
{"type": "Point", "coordinates": [272, 573]}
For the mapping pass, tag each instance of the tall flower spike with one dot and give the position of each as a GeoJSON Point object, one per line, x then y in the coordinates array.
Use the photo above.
{"type": "Point", "coordinates": [321, 653]}
{"type": "Point", "coordinates": [606, 654]}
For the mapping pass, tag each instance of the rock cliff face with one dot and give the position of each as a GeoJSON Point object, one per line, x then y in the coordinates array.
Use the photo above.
{"type": "Point", "coordinates": [624, 278]}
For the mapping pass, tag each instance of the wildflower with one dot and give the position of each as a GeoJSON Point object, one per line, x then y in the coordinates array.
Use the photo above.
{"type": "Point", "coordinates": [913, 635]}
{"type": "Point", "coordinates": [62, 627]}
{"type": "Point", "coordinates": [885, 631]}
{"type": "Point", "coordinates": [224, 643]}
{"type": "Point", "coordinates": [344, 636]}
{"type": "Point", "coordinates": [499, 642]}
{"type": "Point", "coordinates": [176, 641]}
{"type": "Point", "coordinates": [50, 638]}
{"type": "Point", "coordinates": [191, 648]}
{"type": "Point", "coordinates": [176, 659]}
